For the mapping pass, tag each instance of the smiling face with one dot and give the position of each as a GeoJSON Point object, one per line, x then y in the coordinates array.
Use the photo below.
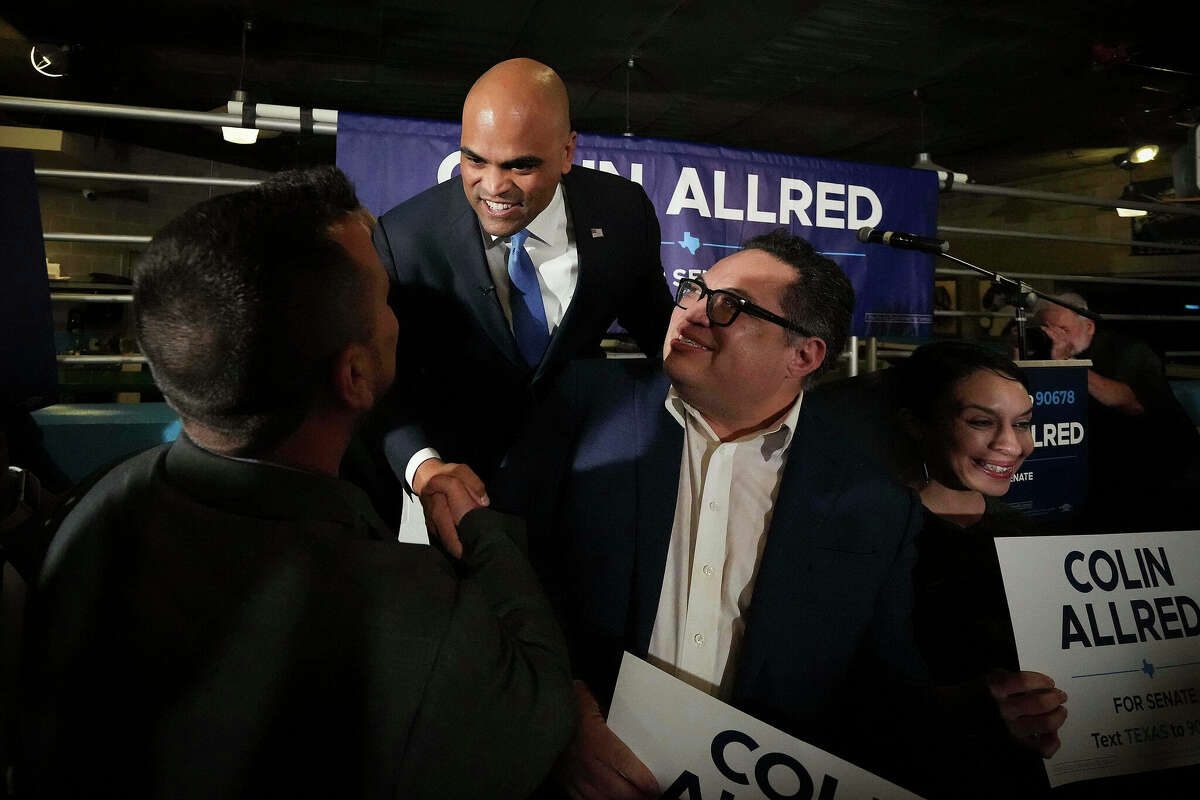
{"type": "Point", "coordinates": [745, 372]}
{"type": "Point", "coordinates": [516, 144]}
{"type": "Point", "coordinates": [987, 435]}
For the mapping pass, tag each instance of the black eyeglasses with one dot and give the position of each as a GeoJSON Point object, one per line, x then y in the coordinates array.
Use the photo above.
{"type": "Point", "coordinates": [723, 307]}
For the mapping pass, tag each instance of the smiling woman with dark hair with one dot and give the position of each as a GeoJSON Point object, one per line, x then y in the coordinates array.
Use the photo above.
{"type": "Point", "coordinates": [966, 414]}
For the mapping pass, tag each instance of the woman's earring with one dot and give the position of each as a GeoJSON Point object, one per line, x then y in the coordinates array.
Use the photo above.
{"type": "Point", "coordinates": [925, 471]}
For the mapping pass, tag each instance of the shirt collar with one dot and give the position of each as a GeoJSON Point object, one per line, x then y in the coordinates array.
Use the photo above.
{"type": "Point", "coordinates": [776, 438]}
{"type": "Point", "coordinates": [549, 227]}
{"type": "Point", "coordinates": [269, 491]}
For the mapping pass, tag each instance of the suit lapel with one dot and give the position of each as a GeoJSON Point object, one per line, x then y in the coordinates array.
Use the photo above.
{"type": "Point", "coordinates": [809, 491]}
{"type": "Point", "coordinates": [657, 490]}
{"type": "Point", "coordinates": [590, 252]}
{"type": "Point", "coordinates": [473, 281]}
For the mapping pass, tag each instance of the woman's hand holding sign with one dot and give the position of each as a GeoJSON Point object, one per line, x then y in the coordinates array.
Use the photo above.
{"type": "Point", "coordinates": [1032, 708]}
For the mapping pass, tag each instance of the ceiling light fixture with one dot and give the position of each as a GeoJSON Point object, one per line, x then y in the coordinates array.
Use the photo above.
{"type": "Point", "coordinates": [1136, 155]}
{"type": "Point", "coordinates": [924, 161]}
{"type": "Point", "coordinates": [1129, 161]}
{"type": "Point", "coordinates": [240, 135]}
{"type": "Point", "coordinates": [946, 177]}
{"type": "Point", "coordinates": [49, 60]}
{"type": "Point", "coordinates": [1144, 153]}
{"type": "Point", "coordinates": [628, 71]}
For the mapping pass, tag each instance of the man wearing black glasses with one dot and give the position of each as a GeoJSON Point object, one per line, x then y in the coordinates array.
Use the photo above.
{"type": "Point", "coordinates": [704, 517]}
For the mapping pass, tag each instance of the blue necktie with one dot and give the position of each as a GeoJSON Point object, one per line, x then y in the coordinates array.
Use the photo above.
{"type": "Point", "coordinates": [528, 313]}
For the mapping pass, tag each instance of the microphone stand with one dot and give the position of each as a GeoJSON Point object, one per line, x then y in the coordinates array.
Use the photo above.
{"type": "Point", "coordinates": [1022, 292]}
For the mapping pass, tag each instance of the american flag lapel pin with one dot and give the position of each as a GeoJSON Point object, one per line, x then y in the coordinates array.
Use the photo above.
{"type": "Point", "coordinates": [597, 233]}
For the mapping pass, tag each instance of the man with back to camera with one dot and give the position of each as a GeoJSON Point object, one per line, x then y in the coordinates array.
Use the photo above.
{"type": "Point", "coordinates": [506, 273]}
{"type": "Point", "coordinates": [1141, 443]}
{"type": "Point", "coordinates": [706, 518]}
{"type": "Point", "coordinates": [224, 617]}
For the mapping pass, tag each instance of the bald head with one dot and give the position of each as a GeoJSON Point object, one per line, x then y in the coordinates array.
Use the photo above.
{"type": "Point", "coordinates": [521, 86]}
{"type": "Point", "coordinates": [516, 143]}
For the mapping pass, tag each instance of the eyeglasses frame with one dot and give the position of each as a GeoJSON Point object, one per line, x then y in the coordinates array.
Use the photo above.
{"type": "Point", "coordinates": [741, 304]}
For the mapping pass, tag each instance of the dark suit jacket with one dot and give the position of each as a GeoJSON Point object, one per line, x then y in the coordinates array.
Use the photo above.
{"type": "Point", "coordinates": [462, 386]}
{"type": "Point", "coordinates": [205, 627]}
{"type": "Point", "coordinates": [829, 635]}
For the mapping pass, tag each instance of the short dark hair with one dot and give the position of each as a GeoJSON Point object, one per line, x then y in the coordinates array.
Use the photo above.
{"type": "Point", "coordinates": [242, 301]}
{"type": "Point", "coordinates": [820, 300]}
{"type": "Point", "coordinates": [926, 380]}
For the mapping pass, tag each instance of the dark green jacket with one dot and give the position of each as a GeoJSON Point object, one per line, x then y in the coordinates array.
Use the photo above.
{"type": "Point", "coordinates": [211, 627]}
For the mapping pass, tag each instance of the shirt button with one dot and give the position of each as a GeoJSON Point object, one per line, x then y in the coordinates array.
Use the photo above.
{"type": "Point", "coordinates": [707, 569]}
{"type": "Point", "coordinates": [713, 506]}
{"type": "Point", "coordinates": [699, 639]}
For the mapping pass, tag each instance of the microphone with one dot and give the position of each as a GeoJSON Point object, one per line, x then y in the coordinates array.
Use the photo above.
{"type": "Point", "coordinates": [903, 241]}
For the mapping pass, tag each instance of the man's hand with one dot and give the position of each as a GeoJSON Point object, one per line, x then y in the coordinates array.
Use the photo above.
{"type": "Point", "coordinates": [597, 764]}
{"type": "Point", "coordinates": [1031, 707]}
{"type": "Point", "coordinates": [1061, 347]}
{"type": "Point", "coordinates": [448, 492]}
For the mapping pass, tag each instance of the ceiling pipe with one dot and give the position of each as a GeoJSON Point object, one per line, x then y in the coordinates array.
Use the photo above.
{"type": "Point", "coordinates": [136, 177]}
{"type": "Point", "coordinates": [216, 118]}
{"type": "Point", "coordinates": [1072, 199]}
{"type": "Point", "coordinates": [210, 118]}
{"type": "Point", "coordinates": [106, 238]}
{"type": "Point", "coordinates": [1052, 276]}
{"type": "Point", "coordinates": [1064, 237]}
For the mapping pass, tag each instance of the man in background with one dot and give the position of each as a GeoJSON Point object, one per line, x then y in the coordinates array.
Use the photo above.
{"type": "Point", "coordinates": [504, 274]}
{"type": "Point", "coordinates": [1143, 449]}
{"type": "Point", "coordinates": [223, 616]}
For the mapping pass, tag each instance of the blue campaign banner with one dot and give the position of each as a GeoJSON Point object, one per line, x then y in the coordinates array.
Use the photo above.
{"type": "Point", "coordinates": [709, 199]}
{"type": "Point", "coordinates": [1052, 483]}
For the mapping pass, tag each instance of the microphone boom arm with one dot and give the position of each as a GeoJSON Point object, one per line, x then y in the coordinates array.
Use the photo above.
{"type": "Point", "coordinates": [1023, 290]}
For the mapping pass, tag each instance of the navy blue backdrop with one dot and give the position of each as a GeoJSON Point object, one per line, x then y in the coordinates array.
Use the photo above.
{"type": "Point", "coordinates": [708, 200]}
{"type": "Point", "coordinates": [28, 372]}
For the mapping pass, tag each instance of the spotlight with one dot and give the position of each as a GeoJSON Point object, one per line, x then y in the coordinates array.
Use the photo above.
{"type": "Point", "coordinates": [49, 60]}
{"type": "Point", "coordinates": [1144, 153]}
{"type": "Point", "coordinates": [1137, 155]}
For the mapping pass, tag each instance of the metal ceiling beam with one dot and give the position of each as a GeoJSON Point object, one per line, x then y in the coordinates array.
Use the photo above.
{"type": "Point", "coordinates": [210, 118]}
{"type": "Point", "coordinates": [135, 177]}
{"type": "Point", "coordinates": [1065, 237]}
{"type": "Point", "coordinates": [1072, 199]}
{"type": "Point", "coordinates": [107, 238]}
{"type": "Point", "coordinates": [102, 360]}
{"type": "Point", "coordinates": [1034, 276]}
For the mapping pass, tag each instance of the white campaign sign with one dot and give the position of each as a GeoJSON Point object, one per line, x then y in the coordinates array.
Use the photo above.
{"type": "Point", "coordinates": [1115, 621]}
{"type": "Point", "coordinates": [699, 748]}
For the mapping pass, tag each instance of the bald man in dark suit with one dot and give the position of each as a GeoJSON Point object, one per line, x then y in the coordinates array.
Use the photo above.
{"type": "Point", "coordinates": [481, 345]}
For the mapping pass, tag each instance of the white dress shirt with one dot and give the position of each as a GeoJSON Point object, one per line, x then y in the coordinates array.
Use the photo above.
{"type": "Point", "coordinates": [551, 248]}
{"type": "Point", "coordinates": [726, 498]}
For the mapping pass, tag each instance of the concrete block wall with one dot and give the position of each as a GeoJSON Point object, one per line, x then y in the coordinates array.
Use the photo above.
{"type": "Point", "coordinates": [65, 210]}
{"type": "Point", "coordinates": [1024, 255]}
